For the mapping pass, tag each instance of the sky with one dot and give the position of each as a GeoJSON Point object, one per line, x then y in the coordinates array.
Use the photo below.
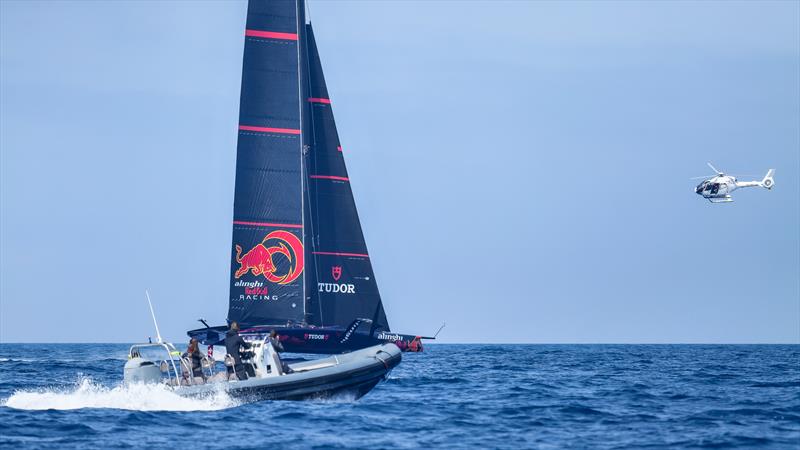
{"type": "Point", "coordinates": [521, 169]}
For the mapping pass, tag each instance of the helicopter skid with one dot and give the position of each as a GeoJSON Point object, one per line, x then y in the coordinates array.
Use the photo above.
{"type": "Point", "coordinates": [726, 199]}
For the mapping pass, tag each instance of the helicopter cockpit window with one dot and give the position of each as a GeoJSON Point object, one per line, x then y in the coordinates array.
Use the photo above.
{"type": "Point", "coordinates": [714, 188]}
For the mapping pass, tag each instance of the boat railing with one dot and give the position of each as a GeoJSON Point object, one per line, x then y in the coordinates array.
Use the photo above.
{"type": "Point", "coordinates": [170, 350]}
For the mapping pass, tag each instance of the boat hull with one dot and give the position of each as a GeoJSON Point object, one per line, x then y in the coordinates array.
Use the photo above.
{"type": "Point", "coordinates": [354, 374]}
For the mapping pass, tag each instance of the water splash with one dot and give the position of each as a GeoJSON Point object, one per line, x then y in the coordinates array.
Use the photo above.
{"type": "Point", "coordinates": [136, 397]}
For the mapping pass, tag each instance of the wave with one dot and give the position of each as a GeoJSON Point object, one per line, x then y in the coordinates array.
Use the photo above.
{"type": "Point", "coordinates": [56, 360]}
{"type": "Point", "coordinates": [134, 397]}
{"type": "Point", "coordinates": [778, 384]}
{"type": "Point", "coordinates": [25, 360]}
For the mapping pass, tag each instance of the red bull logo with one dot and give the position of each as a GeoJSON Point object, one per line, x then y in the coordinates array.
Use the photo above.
{"type": "Point", "coordinates": [258, 260]}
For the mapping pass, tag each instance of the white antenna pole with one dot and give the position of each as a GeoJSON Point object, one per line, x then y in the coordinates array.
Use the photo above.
{"type": "Point", "coordinates": [158, 333]}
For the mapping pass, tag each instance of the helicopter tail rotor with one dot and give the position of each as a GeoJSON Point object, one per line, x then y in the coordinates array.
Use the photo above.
{"type": "Point", "coordinates": [768, 182]}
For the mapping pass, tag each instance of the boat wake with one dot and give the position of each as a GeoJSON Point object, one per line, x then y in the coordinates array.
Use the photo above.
{"type": "Point", "coordinates": [135, 397]}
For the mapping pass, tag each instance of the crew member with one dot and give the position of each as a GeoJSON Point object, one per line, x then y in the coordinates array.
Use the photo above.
{"type": "Point", "coordinates": [415, 345]}
{"type": "Point", "coordinates": [193, 352]}
{"type": "Point", "coordinates": [234, 344]}
{"type": "Point", "coordinates": [275, 341]}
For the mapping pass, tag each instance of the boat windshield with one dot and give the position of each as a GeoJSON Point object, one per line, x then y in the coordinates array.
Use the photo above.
{"type": "Point", "coordinates": [701, 186]}
{"type": "Point", "coordinates": [166, 350]}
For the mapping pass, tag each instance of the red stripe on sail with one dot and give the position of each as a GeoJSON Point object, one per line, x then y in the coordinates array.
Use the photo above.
{"type": "Point", "coordinates": [330, 177]}
{"type": "Point", "coordinates": [267, 224]}
{"type": "Point", "coordinates": [268, 129]}
{"type": "Point", "coordinates": [361, 255]}
{"type": "Point", "coordinates": [327, 101]}
{"type": "Point", "coordinates": [271, 35]}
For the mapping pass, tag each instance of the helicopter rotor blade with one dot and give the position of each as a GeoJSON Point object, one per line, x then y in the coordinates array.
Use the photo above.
{"type": "Point", "coordinates": [714, 168]}
{"type": "Point", "coordinates": [703, 177]}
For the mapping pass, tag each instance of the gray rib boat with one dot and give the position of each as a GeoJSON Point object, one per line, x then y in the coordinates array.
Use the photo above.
{"type": "Point", "coordinates": [353, 373]}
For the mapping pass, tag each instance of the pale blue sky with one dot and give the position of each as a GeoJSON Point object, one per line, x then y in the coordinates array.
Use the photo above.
{"type": "Point", "coordinates": [521, 168]}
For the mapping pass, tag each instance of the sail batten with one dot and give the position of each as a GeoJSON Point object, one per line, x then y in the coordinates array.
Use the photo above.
{"type": "Point", "coordinates": [270, 34]}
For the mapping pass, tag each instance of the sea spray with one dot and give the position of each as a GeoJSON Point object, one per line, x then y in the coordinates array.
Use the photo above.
{"type": "Point", "coordinates": [135, 397]}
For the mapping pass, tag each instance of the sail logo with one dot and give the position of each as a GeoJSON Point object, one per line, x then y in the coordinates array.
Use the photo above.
{"type": "Point", "coordinates": [317, 337]}
{"type": "Point", "coordinates": [336, 272]}
{"type": "Point", "coordinates": [389, 337]}
{"type": "Point", "coordinates": [258, 260]}
{"type": "Point", "coordinates": [337, 288]}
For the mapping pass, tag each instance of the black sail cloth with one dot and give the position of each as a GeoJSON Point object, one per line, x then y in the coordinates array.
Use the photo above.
{"type": "Point", "coordinates": [298, 253]}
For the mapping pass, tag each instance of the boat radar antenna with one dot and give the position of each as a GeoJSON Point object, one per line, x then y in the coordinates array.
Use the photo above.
{"type": "Point", "coordinates": [153, 314]}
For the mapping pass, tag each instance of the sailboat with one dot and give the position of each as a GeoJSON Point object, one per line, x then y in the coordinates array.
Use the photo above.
{"type": "Point", "coordinates": [299, 261]}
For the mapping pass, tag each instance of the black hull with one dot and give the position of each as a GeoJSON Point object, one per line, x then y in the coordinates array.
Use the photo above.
{"type": "Point", "coordinates": [315, 340]}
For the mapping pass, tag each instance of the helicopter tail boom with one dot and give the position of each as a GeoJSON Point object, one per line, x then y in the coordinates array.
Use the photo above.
{"type": "Point", "coordinates": [767, 182]}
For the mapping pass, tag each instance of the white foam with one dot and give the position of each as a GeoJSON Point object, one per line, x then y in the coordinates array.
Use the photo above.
{"type": "Point", "coordinates": [137, 397]}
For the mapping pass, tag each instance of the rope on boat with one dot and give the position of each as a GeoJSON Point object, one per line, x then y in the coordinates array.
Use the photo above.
{"type": "Point", "coordinates": [381, 359]}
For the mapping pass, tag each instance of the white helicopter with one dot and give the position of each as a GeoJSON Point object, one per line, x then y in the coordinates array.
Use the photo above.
{"type": "Point", "coordinates": [718, 188]}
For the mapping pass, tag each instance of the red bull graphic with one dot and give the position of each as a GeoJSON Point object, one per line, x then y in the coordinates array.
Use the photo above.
{"type": "Point", "coordinates": [258, 260]}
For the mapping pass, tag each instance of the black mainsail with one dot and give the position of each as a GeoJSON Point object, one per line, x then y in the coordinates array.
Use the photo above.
{"type": "Point", "coordinates": [299, 261]}
{"type": "Point", "coordinates": [267, 261]}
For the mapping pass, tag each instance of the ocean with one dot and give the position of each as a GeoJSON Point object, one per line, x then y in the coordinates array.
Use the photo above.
{"type": "Point", "coordinates": [451, 396]}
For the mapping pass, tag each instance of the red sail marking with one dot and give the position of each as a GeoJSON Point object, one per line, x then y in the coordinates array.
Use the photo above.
{"type": "Point", "coordinates": [361, 255]}
{"type": "Point", "coordinates": [267, 224]}
{"type": "Point", "coordinates": [330, 177]}
{"type": "Point", "coordinates": [339, 147]}
{"type": "Point", "coordinates": [327, 101]}
{"type": "Point", "coordinates": [269, 130]}
{"type": "Point", "coordinates": [271, 35]}
{"type": "Point", "coordinates": [258, 260]}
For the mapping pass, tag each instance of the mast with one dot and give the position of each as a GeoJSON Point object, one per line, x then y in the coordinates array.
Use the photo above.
{"type": "Point", "coordinates": [301, 87]}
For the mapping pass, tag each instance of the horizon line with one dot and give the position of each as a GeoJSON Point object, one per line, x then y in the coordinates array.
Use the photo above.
{"type": "Point", "coordinates": [479, 343]}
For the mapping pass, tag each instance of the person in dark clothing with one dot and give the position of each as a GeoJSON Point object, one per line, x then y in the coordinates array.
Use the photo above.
{"type": "Point", "coordinates": [193, 353]}
{"type": "Point", "coordinates": [234, 344]}
{"type": "Point", "coordinates": [275, 340]}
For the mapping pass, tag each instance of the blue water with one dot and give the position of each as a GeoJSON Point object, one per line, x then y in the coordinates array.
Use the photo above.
{"type": "Point", "coordinates": [451, 396]}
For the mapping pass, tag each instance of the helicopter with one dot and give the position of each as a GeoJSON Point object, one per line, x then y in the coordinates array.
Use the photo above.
{"type": "Point", "coordinates": [718, 188]}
